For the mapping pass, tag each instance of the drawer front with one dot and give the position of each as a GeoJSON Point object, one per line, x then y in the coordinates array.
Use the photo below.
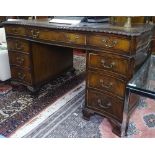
{"type": "Point", "coordinates": [18, 45]}
{"type": "Point", "coordinates": [109, 62]}
{"type": "Point", "coordinates": [19, 59]}
{"type": "Point", "coordinates": [105, 104]}
{"type": "Point", "coordinates": [22, 75]}
{"type": "Point", "coordinates": [43, 34]}
{"type": "Point", "coordinates": [15, 30]}
{"type": "Point", "coordinates": [108, 42]}
{"type": "Point", "coordinates": [104, 82]}
{"type": "Point", "coordinates": [73, 38]}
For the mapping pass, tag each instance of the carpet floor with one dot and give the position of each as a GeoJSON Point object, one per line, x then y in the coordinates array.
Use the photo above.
{"type": "Point", "coordinates": [17, 106]}
{"type": "Point", "coordinates": [141, 123]}
{"type": "Point", "coordinates": [67, 122]}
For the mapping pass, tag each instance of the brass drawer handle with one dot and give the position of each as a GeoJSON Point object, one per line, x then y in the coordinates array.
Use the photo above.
{"type": "Point", "coordinates": [107, 86]}
{"type": "Point", "coordinates": [35, 33]}
{"type": "Point", "coordinates": [77, 36]}
{"type": "Point", "coordinates": [20, 60]}
{"type": "Point", "coordinates": [21, 76]}
{"type": "Point", "coordinates": [109, 43]}
{"type": "Point", "coordinates": [18, 45]}
{"type": "Point", "coordinates": [110, 66]}
{"type": "Point", "coordinates": [104, 105]}
{"type": "Point", "coordinates": [70, 40]}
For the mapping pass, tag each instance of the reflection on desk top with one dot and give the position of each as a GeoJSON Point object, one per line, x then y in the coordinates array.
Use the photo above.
{"type": "Point", "coordinates": [83, 26]}
{"type": "Point", "coordinates": [144, 80]}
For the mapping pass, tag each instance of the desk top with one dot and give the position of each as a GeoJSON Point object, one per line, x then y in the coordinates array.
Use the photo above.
{"type": "Point", "coordinates": [88, 27]}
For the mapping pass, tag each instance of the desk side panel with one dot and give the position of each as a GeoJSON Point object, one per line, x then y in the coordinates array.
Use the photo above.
{"type": "Point", "coordinates": [50, 61]}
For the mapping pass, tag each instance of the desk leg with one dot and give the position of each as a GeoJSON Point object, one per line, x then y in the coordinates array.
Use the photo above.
{"type": "Point", "coordinates": [87, 113]}
{"type": "Point", "coordinates": [71, 71]}
{"type": "Point", "coordinates": [125, 122]}
{"type": "Point", "coordinates": [33, 90]}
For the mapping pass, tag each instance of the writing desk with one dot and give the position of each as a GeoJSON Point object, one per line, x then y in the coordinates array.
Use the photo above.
{"type": "Point", "coordinates": [39, 51]}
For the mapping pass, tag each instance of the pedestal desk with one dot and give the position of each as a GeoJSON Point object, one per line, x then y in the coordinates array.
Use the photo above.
{"type": "Point", "coordinates": [39, 51]}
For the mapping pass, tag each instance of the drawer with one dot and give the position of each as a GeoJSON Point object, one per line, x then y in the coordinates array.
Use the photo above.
{"type": "Point", "coordinates": [22, 75]}
{"type": "Point", "coordinates": [105, 82]}
{"type": "Point", "coordinates": [19, 59]}
{"type": "Point", "coordinates": [15, 30]}
{"type": "Point", "coordinates": [18, 45]}
{"type": "Point", "coordinates": [69, 37]}
{"type": "Point", "coordinates": [43, 34]}
{"type": "Point", "coordinates": [105, 104]}
{"type": "Point", "coordinates": [109, 42]}
{"type": "Point", "coordinates": [109, 62]}
{"type": "Point", "coordinates": [74, 38]}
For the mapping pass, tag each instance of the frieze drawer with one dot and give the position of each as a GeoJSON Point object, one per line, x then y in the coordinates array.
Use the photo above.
{"type": "Point", "coordinates": [109, 42]}
{"type": "Point", "coordinates": [22, 75]}
{"type": "Point", "coordinates": [73, 38]}
{"type": "Point", "coordinates": [105, 82]}
{"type": "Point", "coordinates": [105, 104]}
{"type": "Point", "coordinates": [15, 30]}
{"type": "Point", "coordinates": [19, 59]}
{"type": "Point", "coordinates": [18, 45]}
{"type": "Point", "coordinates": [109, 62]}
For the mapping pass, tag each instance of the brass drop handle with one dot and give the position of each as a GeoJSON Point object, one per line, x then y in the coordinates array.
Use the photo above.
{"type": "Point", "coordinates": [35, 33]}
{"type": "Point", "coordinates": [77, 37]}
{"type": "Point", "coordinates": [18, 45]}
{"type": "Point", "coordinates": [20, 60]}
{"type": "Point", "coordinates": [104, 105]}
{"type": "Point", "coordinates": [107, 86]}
{"type": "Point", "coordinates": [110, 66]}
{"type": "Point", "coordinates": [71, 40]}
{"type": "Point", "coordinates": [109, 43]}
{"type": "Point", "coordinates": [21, 76]}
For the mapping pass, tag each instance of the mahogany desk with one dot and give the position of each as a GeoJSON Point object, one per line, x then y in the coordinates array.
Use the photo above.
{"type": "Point", "coordinates": [39, 51]}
